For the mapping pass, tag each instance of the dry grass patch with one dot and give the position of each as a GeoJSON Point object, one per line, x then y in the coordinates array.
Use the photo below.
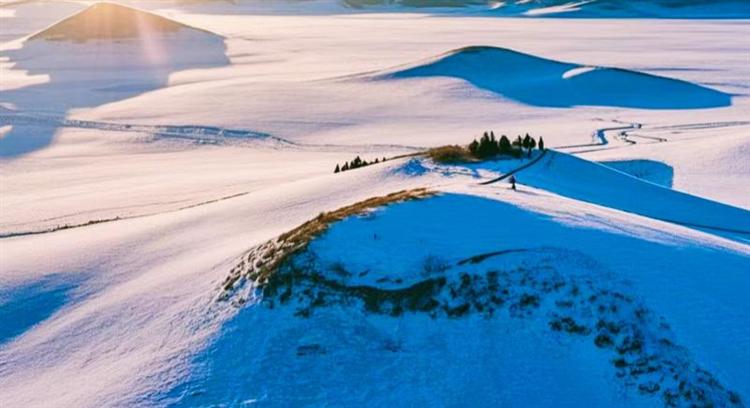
{"type": "Point", "coordinates": [451, 154]}
{"type": "Point", "coordinates": [263, 260]}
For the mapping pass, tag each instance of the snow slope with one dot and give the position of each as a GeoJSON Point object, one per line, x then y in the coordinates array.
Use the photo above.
{"type": "Point", "coordinates": [21, 19]}
{"type": "Point", "coordinates": [707, 159]}
{"type": "Point", "coordinates": [583, 180]}
{"type": "Point", "coordinates": [144, 293]}
{"type": "Point", "coordinates": [542, 82]}
{"type": "Point", "coordinates": [323, 339]}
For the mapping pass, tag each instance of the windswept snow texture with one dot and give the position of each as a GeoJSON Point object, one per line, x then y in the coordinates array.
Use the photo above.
{"type": "Point", "coordinates": [485, 303]}
{"type": "Point", "coordinates": [105, 53]}
{"type": "Point", "coordinates": [542, 82]}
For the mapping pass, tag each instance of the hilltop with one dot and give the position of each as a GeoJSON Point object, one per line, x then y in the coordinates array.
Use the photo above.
{"type": "Point", "coordinates": [110, 21]}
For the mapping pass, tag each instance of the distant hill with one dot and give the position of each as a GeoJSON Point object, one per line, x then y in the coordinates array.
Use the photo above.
{"type": "Point", "coordinates": [582, 8]}
{"type": "Point", "coordinates": [110, 21]}
{"type": "Point", "coordinates": [538, 81]}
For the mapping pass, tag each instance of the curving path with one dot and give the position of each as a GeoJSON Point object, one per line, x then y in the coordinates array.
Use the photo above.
{"type": "Point", "coordinates": [516, 170]}
{"type": "Point", "coordinates": [622, 134]}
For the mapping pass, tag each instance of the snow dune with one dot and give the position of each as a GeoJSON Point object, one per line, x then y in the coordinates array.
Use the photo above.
{"type": "Point", "coordinates": [543, 82]}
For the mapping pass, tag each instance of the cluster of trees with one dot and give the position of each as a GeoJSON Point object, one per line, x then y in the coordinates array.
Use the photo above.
{"type": "Point", "coordinates": [356, 163]}
{"type": "Point", "coordinates": [489, 146]}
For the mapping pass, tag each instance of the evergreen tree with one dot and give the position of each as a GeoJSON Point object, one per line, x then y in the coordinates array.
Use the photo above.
{"type": "Point", "coordinates": [337, 169]}
{"type": "Point", "coordinates": [541, 143]}
{"type": "Point", "coordinates": [484, 143]}
{"type": "Point", "coordinates": [526, 141]}
{"type": "Point", "coordinates": [504, 145]}
{"type": "Point", "coordinates": [474, 147]}
{"type": "Point", "coordinates": [518, 142]}
{"type": "Point", "coordinates": [532, 145]}
{"type": "Point", "coordinates": [345, 167]}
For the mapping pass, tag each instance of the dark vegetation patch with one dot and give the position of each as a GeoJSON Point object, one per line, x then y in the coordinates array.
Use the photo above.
{"type": "Point", "coordinates": [482, 257]}
{"type": "Point", "coordinates": [356, 163]}
{"type": "Point", "coordinates": [451, 154]}
{"type": "Point", "coordinates": [642, 352]}
{"type": "Point", "coordinates": [487, 147]}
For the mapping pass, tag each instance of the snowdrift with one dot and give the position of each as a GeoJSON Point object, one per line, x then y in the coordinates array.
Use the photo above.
{"type": "Point", "coordinates": [105, 53]}
{"type": "Point", "coordinates": [543, 82]}
{"type": "Point", "coordinates": [588, 181]}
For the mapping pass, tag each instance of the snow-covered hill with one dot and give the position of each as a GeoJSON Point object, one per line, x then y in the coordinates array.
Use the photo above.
{"type": "Point", "coordinates": [542, 82]}
{"type": "Point", "coordinates": [488, 299]}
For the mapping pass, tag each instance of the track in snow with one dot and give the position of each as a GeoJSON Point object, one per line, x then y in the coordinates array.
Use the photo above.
{"type": "Point", "coordinates": [197, 133]}
{"type": "Point", "coordinates": [516, 170]}
{"type": "Point", "coordinates": [622, 134]}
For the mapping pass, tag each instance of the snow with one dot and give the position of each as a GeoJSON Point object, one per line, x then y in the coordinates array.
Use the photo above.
{"type": "Point", "coordinates": [77, 50]}
{"type": "Point", "coordinates": [649, 170]}
{"type": "Point", "coordinates": [158, 174]}
{"type": "Point", "coordinates": [580, 179]}
{"type": "Point", "coordinates": [431, 362]}
{"type": "Point", "coordinates": [541, 82]}
{"type": "Point", "coordinates": [25, 18]}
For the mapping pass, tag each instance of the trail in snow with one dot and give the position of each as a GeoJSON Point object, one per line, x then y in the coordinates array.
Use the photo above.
{"type": "Point", "coordinates": [626, 133]}
{"type": "Point", "coordinates": [516, 170]}
{"type": "Point", "coordinates": [198, 133]}
{"type": "Point", "coordinates": [707, 125]}
{"type": "Point", "coordinates": [118, 218]}
{"type": "Point", "coordinates": [601, 134]}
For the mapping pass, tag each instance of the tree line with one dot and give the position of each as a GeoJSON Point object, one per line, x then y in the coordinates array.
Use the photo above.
{"type": "Point", "coordinates": [355, 164]}
{"type": "Point", "coordinates": [488, 145]}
